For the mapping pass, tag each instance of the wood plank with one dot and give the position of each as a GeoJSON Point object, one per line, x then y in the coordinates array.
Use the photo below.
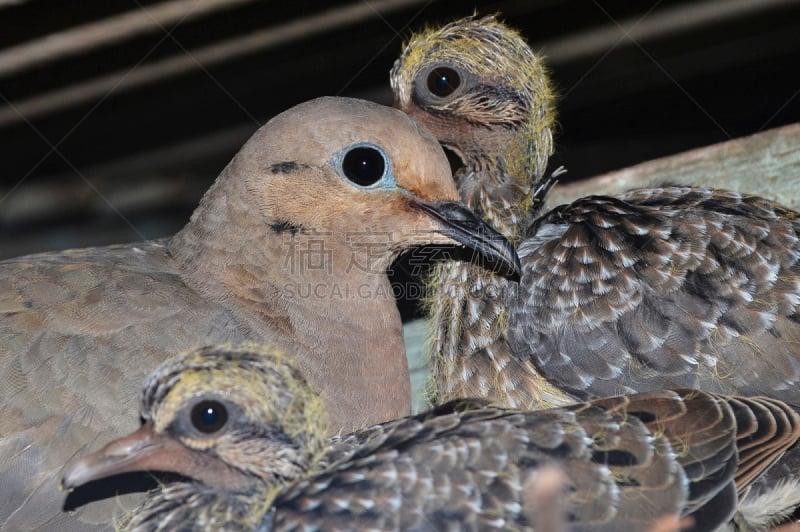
{"type": "Point", "coordinates": [767, 164]}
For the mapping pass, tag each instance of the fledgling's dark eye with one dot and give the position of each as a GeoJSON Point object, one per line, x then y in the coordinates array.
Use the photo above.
{"type": "Point", "coordinates": [209, 416]}
{"type": "Point", "coordinates": [443, 81]}
{"type": "Point", "coordinates": [364, 165]}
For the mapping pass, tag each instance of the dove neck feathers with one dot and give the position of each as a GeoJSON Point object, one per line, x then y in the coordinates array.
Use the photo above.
{"type": "Point", "coordinates": [314, 289]}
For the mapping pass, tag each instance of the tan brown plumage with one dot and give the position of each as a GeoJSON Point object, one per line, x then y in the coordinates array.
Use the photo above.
{"type": "Point", "coordinates": [487, 97]}
{"type": "Point", "coordinates": [657, 288]}
{"type": "Point", "coordinates": [246, 430]}
{"type": "Point", "coordinates": [282, 250]}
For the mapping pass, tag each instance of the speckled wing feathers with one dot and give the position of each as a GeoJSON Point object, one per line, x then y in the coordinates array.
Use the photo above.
{"type": "Point", "coordinates": [671, 287]}
{"type": "Point", "coordinates": [628, 461]}
{"type": "Point", "coordinates": [441, 473]}
{"type": "Point", "coordinates": [702, 441]}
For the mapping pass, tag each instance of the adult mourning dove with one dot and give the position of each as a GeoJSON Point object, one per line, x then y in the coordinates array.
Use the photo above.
{"type": "Point", "coordinates": [486, 96]}
{"type": "Point", "coordinates": [290, 247]}
{"type": "Point", "coordinates": [246, 433]}
{"type": "Point", "coordinates": [658, 288]}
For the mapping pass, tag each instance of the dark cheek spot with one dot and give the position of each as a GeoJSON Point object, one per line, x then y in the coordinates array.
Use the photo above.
{"type": "Point", "coordinates": [284, 226]}
{"type": "Point", "coordinates": [286, 167]}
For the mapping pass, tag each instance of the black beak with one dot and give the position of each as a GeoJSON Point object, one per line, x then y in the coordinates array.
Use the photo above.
{"type": "Point", "coordinates": [464, 226]}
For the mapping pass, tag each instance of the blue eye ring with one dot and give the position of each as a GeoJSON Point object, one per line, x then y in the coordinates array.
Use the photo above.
{"type": "Point", "coordinates": [209, 416]}
{"type": "Point", "coordinates": [366, 166]}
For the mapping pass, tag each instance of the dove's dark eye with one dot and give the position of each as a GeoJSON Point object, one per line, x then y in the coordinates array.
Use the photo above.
{"type": "Point", "coordinates": [443, 81]}
{"type": "Point", "coordinates": [209, 416]}
{"type": "Point", "coordinates": [364, 165]}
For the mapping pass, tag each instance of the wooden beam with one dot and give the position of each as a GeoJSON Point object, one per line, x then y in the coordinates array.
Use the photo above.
{"type": "Point", "coordinates": [113, 29]}
{"type": "Point", "coordinates": [767, 164]}
{"type": "Point", "coordinates": [132, 77]}
{"type": "Point", "coordinates": [659, 23]}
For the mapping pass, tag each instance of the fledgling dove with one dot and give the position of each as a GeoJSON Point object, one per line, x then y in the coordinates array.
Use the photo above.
{"type": "Point", "coordinates": [247, 435]}
{"type": "Point", "coordinates": [289, 247]}
{"type": "Point", "coordinates": [656, 288]}
{"type": "Point", "coordinates": [486, 96]}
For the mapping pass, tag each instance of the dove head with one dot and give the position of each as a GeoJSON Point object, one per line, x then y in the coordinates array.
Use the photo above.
{"type": "Point", "coordinates": [351, 148]}
{"type": "Point", "coordinates": [365, 178]}
{"type": "Point", "coordinates": [476, 84]}
{"type": "Point", "coordinates": [232, 418]}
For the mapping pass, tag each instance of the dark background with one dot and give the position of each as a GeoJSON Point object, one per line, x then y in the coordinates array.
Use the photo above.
{"type": "Point", "coordinates": [113, 134]}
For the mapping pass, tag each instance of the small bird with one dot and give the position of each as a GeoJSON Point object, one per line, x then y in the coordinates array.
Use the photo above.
{"type": "Point", "coordinates": [247, 434]}
{"type": "Point", "coordinates": [476, 84]}
{"type": "Point", "coordinates": [289, 247]}
{"type": "Point", "coordinates": [657, 288]}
